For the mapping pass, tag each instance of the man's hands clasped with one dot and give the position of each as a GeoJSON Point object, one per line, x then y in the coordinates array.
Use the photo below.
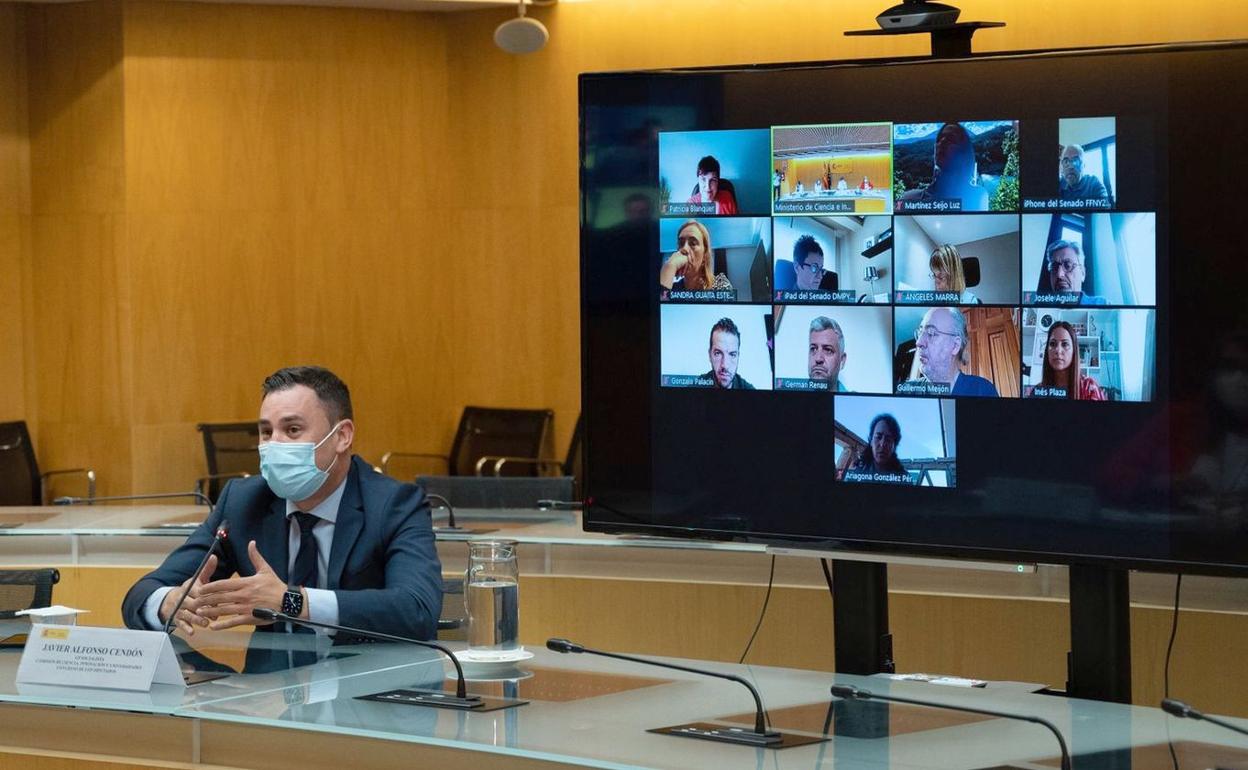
{"type": "Point", "coordinates": [226, 603]}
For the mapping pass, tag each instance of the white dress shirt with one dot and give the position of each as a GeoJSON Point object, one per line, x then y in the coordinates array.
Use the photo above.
{"type": "Point", "coordinates": [322, 603]}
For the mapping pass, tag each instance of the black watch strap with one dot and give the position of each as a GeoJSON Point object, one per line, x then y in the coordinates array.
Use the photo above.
{"type": "Point", "coordinates": [292, 602]}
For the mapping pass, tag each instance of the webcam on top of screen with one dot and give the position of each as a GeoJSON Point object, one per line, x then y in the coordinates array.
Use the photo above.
{"type": "Point", "coordinates": [918, 14]}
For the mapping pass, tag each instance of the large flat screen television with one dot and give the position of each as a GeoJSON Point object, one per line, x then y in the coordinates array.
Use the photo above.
{"type": "Point", "coordinates": [991, 307]}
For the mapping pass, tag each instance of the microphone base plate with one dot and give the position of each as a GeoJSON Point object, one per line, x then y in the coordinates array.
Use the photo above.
{"type": "Point", "coordinates": [442, 700]}
{"type": "Point", "coordinates": [709, 731]}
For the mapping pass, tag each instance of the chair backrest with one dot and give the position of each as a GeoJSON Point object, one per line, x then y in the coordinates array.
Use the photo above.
{"type": "Point", "coordinates": [229, 448]}
{"type": "Point", "coordinates": [25, 589]}
{"type": "Point", "coordinates": [491, 492]}
{"type": "Point", "coordinates": [485, 431]}
{"type": "Point", "coordinates": [574, 463]}
{"type": "Point", "coordinates": [19, 472]}
{"type": "Point", "coordinates": [970, 271]}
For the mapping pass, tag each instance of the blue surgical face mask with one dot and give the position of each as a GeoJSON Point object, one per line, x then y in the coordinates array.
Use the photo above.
{"type": "Point", "coordinates": [290, 469]}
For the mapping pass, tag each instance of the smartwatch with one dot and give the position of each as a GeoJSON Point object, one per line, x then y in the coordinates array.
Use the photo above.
{"type": "Point", "coordinates": [292, 601]}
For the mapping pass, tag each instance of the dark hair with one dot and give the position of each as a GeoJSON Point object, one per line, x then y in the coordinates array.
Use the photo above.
{"type": "Point", "coordinates": [953, 142]}
{"type": "Point", "coordinates": [892, 423]}
{"type": "Point", "coordinates": [1073, 374]}
{"type": "Point", "coordinates": [708, 165]}
{"type": "Point", "coordinates": [805, 245]}
{"type": "Point", "coordinates": [866, 461]}
{"type": "Point", "coordinates": [331, 391]}
{"type": "Point", "coordinates": [724, 325]}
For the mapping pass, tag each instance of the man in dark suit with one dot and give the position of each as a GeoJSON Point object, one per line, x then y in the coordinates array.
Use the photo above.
{"type": "Point", "coordinates": [320, 535]}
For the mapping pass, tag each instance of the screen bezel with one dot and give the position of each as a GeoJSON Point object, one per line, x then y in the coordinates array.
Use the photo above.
{"type": "Point", "coordinates": [871, 546]}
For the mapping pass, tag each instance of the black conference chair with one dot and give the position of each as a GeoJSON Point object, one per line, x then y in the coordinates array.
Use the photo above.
{"type": "Point", "coordinates": [570, 465]}
{"type": "Point", "coordinates": [26, 589]}
{"type": "Point", "coordinates": [21, 483]}
{"type": "Point", "coordinates": [488, 432]}
{"type": "Point", "coordinates": [231, 451]}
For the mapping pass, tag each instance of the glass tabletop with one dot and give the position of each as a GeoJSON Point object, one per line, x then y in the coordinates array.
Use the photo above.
{"type": "Point", "coordinates": [600, 713]}
{"type": "Point", "coordinates": [227, 665]}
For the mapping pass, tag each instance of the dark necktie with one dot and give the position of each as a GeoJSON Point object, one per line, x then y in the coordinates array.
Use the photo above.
{"type": "Point", "coordinates": [303, 573]}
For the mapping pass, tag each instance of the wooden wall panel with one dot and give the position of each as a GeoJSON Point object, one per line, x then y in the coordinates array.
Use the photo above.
{"type": "Point", "coordinates": [14, 218]}
{"type": "Point", "coordinates": [80, 321]}
{"type": "Point", "coordinates": [284, 167]}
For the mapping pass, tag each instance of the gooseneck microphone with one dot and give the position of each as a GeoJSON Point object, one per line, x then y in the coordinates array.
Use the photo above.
{"type": "Point", "coordinates": [853, 693]}
{"type": "Point", "coordinates": [1177, 708]}
{"type": "Point", "coordinates": [200, 497]}
{"type": "Point", "coordinates": [761, 736]}
{"type": "Point", "coordinates": [223, 532]}
{"type": "Point", "coordinates": [461, 700]}
{"type": "Point", "coordinates": [450, 512]}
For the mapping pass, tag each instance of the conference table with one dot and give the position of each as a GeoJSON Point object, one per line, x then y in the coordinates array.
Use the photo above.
{"type": "Point", "coordinates": [582, 711]}
{"type": "Point", "coordinates": [268, 711]}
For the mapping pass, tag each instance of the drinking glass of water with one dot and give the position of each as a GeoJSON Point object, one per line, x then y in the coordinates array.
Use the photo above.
{"type": "Point", "coordinates": [492, 596]}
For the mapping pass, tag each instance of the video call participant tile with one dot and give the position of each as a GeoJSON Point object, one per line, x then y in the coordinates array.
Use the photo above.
{"type": "Point", "coordinates": [714, 173]}
{"type": "Point", "coordinates": [832, 169]}
{"type": "Point", "coordinates": [1089, 355]}
{"type": "Point", "coordinates": [833, 349]}
{"type": "Point", "coordinates": [715, 347]}
{"type": "Point", "coordinates": [950, 167]}
{"type": "Point", "coordinates": [897, 441]}
{"type": "Point", "coordinates": [956, 351]}
{"type": "Point", "coordinates": [714, 260]}
{"type": "Point", "coordinates": [957, 259]}
{"type": "Point", "coordinates": [1090, 259]}
{"type": "Point", "coordinates": [832, 260]}
{"type": "Point", "coordinates": [1082, 174]}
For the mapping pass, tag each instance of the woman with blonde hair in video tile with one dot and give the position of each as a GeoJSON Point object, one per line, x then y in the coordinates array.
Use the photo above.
{"type": "Point", "coordinates": [947, 275]}
{"type": "Point", "coordinates": [692, 266]}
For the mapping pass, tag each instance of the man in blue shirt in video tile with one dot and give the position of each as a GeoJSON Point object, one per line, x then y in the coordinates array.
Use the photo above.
{"type": "Point", "coordinates": [943, 347]}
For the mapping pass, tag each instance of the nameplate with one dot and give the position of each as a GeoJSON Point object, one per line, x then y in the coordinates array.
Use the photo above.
{"type": "Point", "coordinates": [88, 656]}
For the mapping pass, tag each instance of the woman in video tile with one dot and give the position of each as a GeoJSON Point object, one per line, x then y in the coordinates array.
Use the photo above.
{"type": "Point", "coordinates": [947, 275]}
{"type": "Point", "coordinates": [881, 455]}
{"type": "Point", "coordinates": [1063, 376]}
{"type": "Point", "coordinates": [691, 266]}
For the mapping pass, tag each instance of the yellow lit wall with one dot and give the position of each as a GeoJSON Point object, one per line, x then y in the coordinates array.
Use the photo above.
{"type": "Point", "coordinates": [14, 216]}
{"type": "Point", "coordinates": [219, 190]}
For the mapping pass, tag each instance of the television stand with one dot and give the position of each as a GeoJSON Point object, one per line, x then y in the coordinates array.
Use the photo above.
{"type": "Point", "coordinates": [1099, 662]}
{"type": "Point", "coordinates": [949, 41]}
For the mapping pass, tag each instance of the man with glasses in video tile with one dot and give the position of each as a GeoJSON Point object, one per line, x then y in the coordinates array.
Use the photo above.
{"type": "Point", "coordinates": [944, 347]}
{"type": "Point", "coordinates": [1065, 262]}
{"type": "Point", "coordinates": [1076, 185]}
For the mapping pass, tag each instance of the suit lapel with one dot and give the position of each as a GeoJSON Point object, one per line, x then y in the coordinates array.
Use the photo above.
{"type": "Point", "coordinates": [274, 541]}
{"type": "Point", "coordinates": [348, 526]}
